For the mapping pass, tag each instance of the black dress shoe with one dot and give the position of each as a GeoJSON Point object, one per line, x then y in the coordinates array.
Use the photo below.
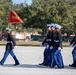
{"type": "Point", "coordinates": [41, 64]}
{"type": "Point", "coordinates": [1, 63]}
{"type": "Point", "coordinates": [60, 67]}
{"type": "Point", "coordinates": [72, 65]}
{"type": "Point", "coordinates": [16, 64]}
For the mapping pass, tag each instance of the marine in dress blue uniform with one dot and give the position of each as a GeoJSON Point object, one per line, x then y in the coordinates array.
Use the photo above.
{"type": "Point", "coordinates": [46, 40]}
{"type": "Point", "coordinates": [49, 41]}
{"type": "Point", "coordinates": [9, 48]}
{"type": "Point", "coordinates": [56, 59]}
{"type": "Point", "coordinates": [73, 43]}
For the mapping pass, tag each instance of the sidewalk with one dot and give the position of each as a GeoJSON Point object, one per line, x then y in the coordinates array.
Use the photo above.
{"type": "Point", "coordinates": [30, 57]}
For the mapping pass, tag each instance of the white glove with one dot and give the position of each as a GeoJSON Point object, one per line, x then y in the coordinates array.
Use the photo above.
{"type": "Point", "coordinates": [41, 45]}
{"type": "Point", "coordinates": [59, 48]}
{"type": "Point", "coordinates": [47, 46]}
{"type": "Point", "coordinates": [15, 47]}
{"type": "Point", "coordinates": [51, 47]}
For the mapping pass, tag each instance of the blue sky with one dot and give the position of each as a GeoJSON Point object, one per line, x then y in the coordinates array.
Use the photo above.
{"type": "Point", "coordinates": [22, 1]}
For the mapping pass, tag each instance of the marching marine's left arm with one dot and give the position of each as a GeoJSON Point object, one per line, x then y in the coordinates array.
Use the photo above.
{"type": "Point", "coordinates": [60, 40]}
{"type": "Point", "coordinates": [13, 40]}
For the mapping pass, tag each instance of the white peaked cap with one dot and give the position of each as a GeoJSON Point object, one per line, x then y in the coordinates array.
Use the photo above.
{"type": "Point", "coordinates": [52, 25]}
{"type": "Point", "coordinates": [48, 25]}
{"type": "Point", "coordinates": [8, 29]}
{"type": "Point", "coordinates": [58, 26]}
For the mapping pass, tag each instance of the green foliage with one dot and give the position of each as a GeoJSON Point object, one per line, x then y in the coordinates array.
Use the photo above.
{"type": "Point", "coordinates": [39, 14]}
{"type": "Point", "coordinates": [42, 12]}
{"type": "Point", "coordinates": [5, 6]}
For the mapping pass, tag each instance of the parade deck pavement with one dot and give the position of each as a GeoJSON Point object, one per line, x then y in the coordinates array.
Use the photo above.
{"type": "Point", "coordinates": [30, 57]}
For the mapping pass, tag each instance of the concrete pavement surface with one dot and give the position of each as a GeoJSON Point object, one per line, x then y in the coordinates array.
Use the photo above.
{"type": "Point", "coordinates": [30, 57]}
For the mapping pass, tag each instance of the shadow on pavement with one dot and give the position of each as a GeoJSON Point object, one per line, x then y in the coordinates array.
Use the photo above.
{"type": "Point", "coordinates": [25, 66]}
{"type": "Point", "coordinates": [67, 67]}
{"type": "Point", "coordinates": [35, 66]}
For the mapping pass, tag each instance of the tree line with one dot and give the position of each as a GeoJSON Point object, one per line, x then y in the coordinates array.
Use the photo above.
{"type": "Point", "coordinates": [40, 13]}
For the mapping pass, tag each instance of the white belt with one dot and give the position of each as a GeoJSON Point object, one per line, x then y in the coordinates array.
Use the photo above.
{"type": "Point", "coordinates": [56, 40]}
{"type": "Point", "coordinates": [48, 40]}
{"type": "Point", "coordinates": [9, 41]}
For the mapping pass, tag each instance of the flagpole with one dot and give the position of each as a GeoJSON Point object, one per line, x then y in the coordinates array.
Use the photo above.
{"type": "Point", "coordinates": [8, 19]}
{"type": "Point", "coordinates": [9, 24]}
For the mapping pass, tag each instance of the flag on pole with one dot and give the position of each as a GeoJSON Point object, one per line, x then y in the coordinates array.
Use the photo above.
{"type": "Point", "coordinates": [14, 18]}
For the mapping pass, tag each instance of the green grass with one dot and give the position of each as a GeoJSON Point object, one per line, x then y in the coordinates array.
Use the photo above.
{"type": "Point", "coordinates": [31, 43]}
{"type": "Point", "coordinates": [23, 43]}
{"type": "Point", "coordinates": [65, 44]}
